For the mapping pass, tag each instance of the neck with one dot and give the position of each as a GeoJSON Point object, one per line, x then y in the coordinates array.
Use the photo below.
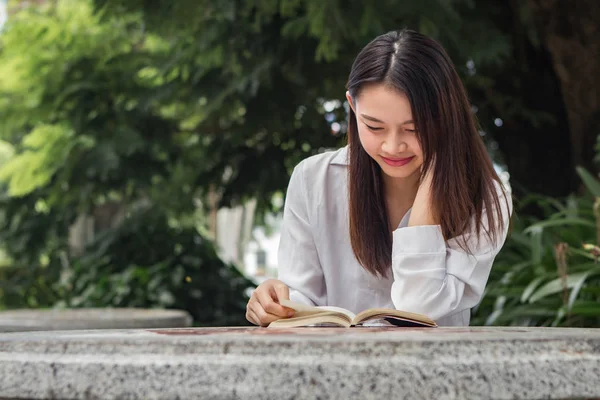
{"type": "Point", "coordinates": [401, 190]}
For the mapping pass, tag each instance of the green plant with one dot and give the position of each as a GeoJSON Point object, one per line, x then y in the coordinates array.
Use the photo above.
{"type": "Point", "coordinates": [89, 122]}
{"type": "Point", "coordinates": [151, 261]}
{"type": "Point", "coordinates": [548, 272]}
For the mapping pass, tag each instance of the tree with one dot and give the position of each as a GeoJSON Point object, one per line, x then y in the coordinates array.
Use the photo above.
{"type": "Point", "coordinates": [570, 33]}
{"type": "Point", "coordinates": [274, 58]}
{"type": "Point", "coordinates": [81, 105]}
{"type": "Point", "coordinates": [162, 105]}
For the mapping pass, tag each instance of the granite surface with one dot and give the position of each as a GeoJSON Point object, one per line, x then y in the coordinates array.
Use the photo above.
{"type": "Point", "coordinates": [259, 363]}
{"type": "Point", "coordinates": [92, 318]}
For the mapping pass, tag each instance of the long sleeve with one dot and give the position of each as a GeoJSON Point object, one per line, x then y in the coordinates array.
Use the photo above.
{"type": "Point", "coordinates": [299, 266]}
{"type": "Point", "coordinates": [438, 278]}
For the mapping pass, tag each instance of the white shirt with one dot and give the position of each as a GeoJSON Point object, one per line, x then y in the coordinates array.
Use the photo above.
{"type": "Point", "coordinates": [431, 276]}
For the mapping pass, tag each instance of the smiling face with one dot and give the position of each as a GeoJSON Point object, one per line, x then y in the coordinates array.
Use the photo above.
{"type": "Point", "coordinates": [387, 131]}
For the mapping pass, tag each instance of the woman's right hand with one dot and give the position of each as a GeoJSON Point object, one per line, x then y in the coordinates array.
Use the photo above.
{"type": "Point", "coordinates": [263, 306]}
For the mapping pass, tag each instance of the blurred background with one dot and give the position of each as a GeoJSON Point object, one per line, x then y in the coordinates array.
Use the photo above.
{"type": "Point", "coordinates": [146, 145]}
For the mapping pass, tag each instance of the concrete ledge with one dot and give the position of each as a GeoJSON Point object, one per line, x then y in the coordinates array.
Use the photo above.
{"type": "Point", "coordinates": [91, 318]}
{"type": "Point", "coordinates": [255, 363]}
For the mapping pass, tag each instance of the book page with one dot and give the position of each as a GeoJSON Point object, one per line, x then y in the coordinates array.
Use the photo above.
{"type": "Point", "coordinates": [377, 313]}
{"type": "Point", "coordinates": [323, 318]}
{"type": "Point", "coordinates": [298, 306]}
{"type": "Point", "coordinates": [349, 314]}
{"type": "Point", "coordinates": [306, 309]}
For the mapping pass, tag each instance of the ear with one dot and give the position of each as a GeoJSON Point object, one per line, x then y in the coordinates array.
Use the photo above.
{"type": "Point", "coordinates": [349, 98]}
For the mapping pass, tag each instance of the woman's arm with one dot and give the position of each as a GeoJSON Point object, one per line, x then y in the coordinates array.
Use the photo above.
{"type": "Point", "coordinates": [436, 277]}
{"type": "Point", "coordinates": [299, 266]}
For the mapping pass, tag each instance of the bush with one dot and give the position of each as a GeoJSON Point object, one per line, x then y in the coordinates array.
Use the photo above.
{"type": "Point", "coordinates": [147, 262]}
{"type": "Point", "coordinates": [547, 273]}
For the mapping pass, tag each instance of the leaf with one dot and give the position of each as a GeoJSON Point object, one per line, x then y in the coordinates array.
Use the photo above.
{"type": "Point", "coordinates": [7, 150]}
{"type": "Point", "coordinates": [585, 308]}
{"type": "Point", "coordinates": [540, 226]}
{"type": "Point", "coordinates": [556, 286]}
{"type": "Point", "coordinates": [531, 287]}
{"type": "Point", "coordinates": [560, 315]}
{"type": "Point", "coordinates": [582, 253]}
{"type": "Point", "coordinates": [493, 317]}
{"type": "Point", "coordinates": [579, 284]}
{"type": "Point", "coordinates": [47, 148]}
{"type": "Point", "coordinates": [295, 28]}
{"type": "Point", "coordinates": [590, 181]}
{"type": "Point", "coordinates": [525, 311]}
{"type": "Point", "coordinates": [536, 246]}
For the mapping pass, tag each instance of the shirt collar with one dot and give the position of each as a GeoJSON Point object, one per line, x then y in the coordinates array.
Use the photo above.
{"type": "Point", "coordinates": [341, 157]}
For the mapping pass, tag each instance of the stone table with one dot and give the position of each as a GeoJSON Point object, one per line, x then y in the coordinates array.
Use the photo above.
{"type": "Point", "coordinates": [260, 363]}
{"type": "Point", "coordinates": [92, 318]}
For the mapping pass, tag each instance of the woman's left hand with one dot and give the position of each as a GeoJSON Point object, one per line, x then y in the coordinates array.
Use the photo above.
{"type": "Point", "coordinates": [422, 212]}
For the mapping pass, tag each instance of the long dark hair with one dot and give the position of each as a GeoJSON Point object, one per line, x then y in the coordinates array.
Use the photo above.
{"type": "Point", "coordinates": [464, 179]}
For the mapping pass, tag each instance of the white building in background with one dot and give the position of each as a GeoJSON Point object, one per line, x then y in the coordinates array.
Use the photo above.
{"type": "Point", "coordinates": [260, 257]}
{"type": "Point", "coordinates": [233, 231]}
{"type": "Point", "coordinates": [251, 248]}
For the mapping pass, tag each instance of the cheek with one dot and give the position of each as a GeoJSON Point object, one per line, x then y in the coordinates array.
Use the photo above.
{"type": "Point", "coordinates": [416, 147]}
{"type": "Point", "coordinates": [368, 140]}
{"type": "Point", "coordinates": [419, 162]}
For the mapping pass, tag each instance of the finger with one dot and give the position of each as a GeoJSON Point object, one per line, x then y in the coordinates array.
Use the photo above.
{"type": "Point", "coordinates": [281, 291]}
{"type": "Point", "coordinates": [251, 317]}
{"type": "Point", "coordinates": [269, 305]}
{"type": "Point", "coordinates": [264, 317]}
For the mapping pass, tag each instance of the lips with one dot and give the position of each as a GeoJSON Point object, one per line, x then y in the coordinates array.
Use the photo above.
{"type": "Point", "coordinates": [397, 162]}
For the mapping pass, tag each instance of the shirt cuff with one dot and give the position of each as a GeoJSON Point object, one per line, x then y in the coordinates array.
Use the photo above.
{"type": "Point", "coordinates": [424, 239]}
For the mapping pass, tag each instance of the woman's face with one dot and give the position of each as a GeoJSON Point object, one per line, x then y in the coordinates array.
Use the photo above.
{"type": "Point", "coordinates": [387, 131]}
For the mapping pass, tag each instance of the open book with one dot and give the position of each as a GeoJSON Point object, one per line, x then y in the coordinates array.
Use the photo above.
{"type": "Point", "coordinates": [335, 316]}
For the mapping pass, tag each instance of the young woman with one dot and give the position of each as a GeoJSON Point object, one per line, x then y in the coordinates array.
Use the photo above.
{"type": "Point", "coordinates": [411, 214]}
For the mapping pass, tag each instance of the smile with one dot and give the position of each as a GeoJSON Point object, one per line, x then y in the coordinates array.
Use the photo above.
{"type": "Point", "coordinates": [397, 162]}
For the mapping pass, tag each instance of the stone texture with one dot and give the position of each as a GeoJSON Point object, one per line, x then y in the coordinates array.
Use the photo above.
{"type": "Point", "coordinates": [92, 318]}
{"type": "Point", "coordinates": [258, 363]}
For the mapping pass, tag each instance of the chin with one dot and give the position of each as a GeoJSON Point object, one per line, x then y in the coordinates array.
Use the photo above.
{"type": "Point", "coordinates": [399, 175]}
{"type": "Point", "coordinates": [399, 172]}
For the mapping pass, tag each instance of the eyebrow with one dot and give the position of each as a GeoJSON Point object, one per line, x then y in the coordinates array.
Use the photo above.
{"type": "Point", "coordinates": [410, 121]}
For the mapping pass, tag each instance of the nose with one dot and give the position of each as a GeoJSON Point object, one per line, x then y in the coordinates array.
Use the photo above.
{"type": "Point", "coordinates": [394, 144]}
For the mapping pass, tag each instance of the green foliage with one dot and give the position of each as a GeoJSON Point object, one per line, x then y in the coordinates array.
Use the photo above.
{"type": "Point", "coordinates": [87, 120]}
{"type": "Point", "coordinates": [75, 106]}
{"type": "Point", "coordinates": [590, 181]}
{"type": "Point", "coordinates": [547, 273]}
{"type": "Point", "coordinates": [239, 85]}
{"type": "Point", "coordinates": [149, 262]}
{"type": "Point", "coordinates": [43, 154]}
{"type": "Point", "coordinates": [152, 105]}
{"type": "Point", "coordinates": [260, 71]}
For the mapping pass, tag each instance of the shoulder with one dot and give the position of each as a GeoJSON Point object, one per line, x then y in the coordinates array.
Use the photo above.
{"type": "Point", "coordinates": [321, 177]}
{"type": "Point", "coordinates": [322, 161]}
{"type": "Point", "coordinates": [318, 167]}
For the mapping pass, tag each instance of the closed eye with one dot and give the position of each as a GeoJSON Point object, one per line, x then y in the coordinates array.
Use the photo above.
{"type": "Point", "coordinates": [373, 128]}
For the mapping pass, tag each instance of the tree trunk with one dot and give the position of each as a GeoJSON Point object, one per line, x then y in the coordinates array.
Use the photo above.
{"type": "Point", "coordinates": [570, 31]}
{"type": "Point", "coordinates": [533, 139]}
{"type": "Point", "coordinates": [214, 197]}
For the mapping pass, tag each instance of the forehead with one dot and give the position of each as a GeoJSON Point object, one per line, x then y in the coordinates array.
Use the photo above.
{"type": "Point", "coordinates": [384, 103]}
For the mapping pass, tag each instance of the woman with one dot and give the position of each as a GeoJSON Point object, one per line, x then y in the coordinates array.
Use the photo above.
{"type": "Point", "coordinates": [411, 214]}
